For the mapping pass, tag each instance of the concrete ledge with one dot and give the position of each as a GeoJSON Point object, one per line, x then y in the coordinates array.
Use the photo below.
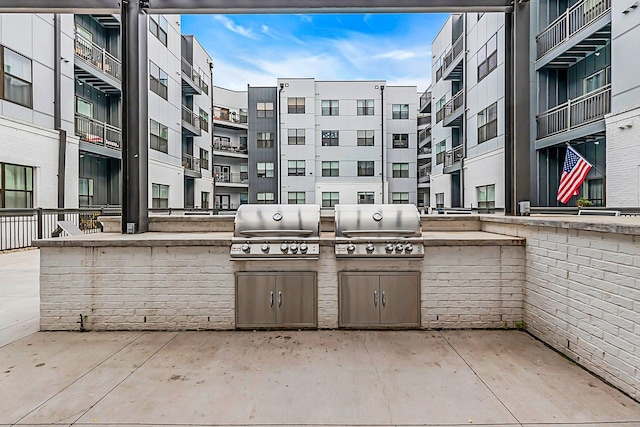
{"type": "Point", "coordinates": [617, 225]}
{"type": "Point", "coordinates": [176, 223]}
{"type": "Point", "coordinates": [138, 240]}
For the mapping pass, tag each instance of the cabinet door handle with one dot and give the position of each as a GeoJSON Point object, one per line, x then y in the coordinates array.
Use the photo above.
{"type": "Point", "coordinates": [271, 299]}
{"type": "Point", "coordinates": [279, 298]}
{"type": "Point", "coordinates": [375, 298]}
{"type": "Point", "coordinates": [384, 299]}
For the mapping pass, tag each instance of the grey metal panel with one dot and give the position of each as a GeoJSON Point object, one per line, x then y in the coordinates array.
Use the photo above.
{"type": "Point", "coordinates": [255, 300]}
{"type": "Point", "coordinates": [102, 151]}
{"type": "Point", "coordinates": [594, 128]}
{"type": "Point", "coordinates": [359, 300]}
{"type": "Point", "coordinates": [266, 124]}
{"type": "Point", "coordinates": [296, 300]}
{"type": "Point", "coordinates": [105, 174]}
{"type": "Point", "coordinates": [588, 66]}
{"type": "Point", "coordinates": [276, 219]}
{"type": "Point", "coordinates": [403, 220]}
{"type": "Point", "coordinates": [400, 299]}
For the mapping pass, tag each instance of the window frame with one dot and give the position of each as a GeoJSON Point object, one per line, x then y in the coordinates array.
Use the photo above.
{"type": "Point", "coordinates": [333, 138]}
{"type": "Point", "coordinates": [156, 84]}
{"type": "Point", "coordinates": [29, 182]}
{"type": "Point", "coordinates": [441, 152]}
{"type": "Point", "coordinates": [400, 198]}
{"type": "Point", "coordinates": [157, 201]}
{"type": "Point", "coordinates": [297, 200]}
{"type": "Point", "coordinates": [489, 129]}
{"type": "Point", "coordinates": [264, 110]}
{"type": "Point", "coordinates": [364, 199]}
{"type": "Point", "coordinates": [330, 107]}
{"type": "Point", "coordinates": [295, 107]}
{"type": "Point", "coordinates": [366, 141]}
{"type": "Point", "coordinates": [489, 61]}
{"type": "Point", "coordinates": [332, 200]}
{"type": "Point", "coordinates": [400, 170]}
{"type": "Point", "coordinates": [298, 137]}
{"type": "Point", "coordinates": [486, 205]}
{"type": "Point", "coordinates": [90, 191]}
{"type": "Point", "coordinates": [296, 168]}
{"type": "Point", "coordinates": [396, 140]}
{"type": "Point", "coordinates": [365, 107]}
{"type": "Point", "coordinates": [399, 111]}
{"type": "Point", "coordinates": [265, 199]}
{"type": "Point", "coordinates": [264, 171]}
{"type": "Point", "coordinates": [4, 74]}
{"type": "Point", "coordinates": [204, 158]}
{"type": "Point", "coordinates": [156, 28]}
{"type": "Point", "coordinates": [366, 167]}
{"type": "Point", "coordinates": [328, 169]}
{"type": "Point", "coordinates": [262, 142]}
{"type": "Point", "coordinates": [158, 139]}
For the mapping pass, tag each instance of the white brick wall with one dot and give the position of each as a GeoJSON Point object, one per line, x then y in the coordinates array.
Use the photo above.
{"type": "Point", "coordinates": [623, 158]}
{"type": "Point", "coordinates": [582, 297]}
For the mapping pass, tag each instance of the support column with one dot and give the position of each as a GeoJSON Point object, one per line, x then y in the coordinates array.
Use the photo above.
{"type": "Point", "coordinates": [135, 187]}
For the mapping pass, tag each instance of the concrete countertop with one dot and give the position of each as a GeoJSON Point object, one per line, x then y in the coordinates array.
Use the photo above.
{"type": "Point", "coordinates": [629, 225]}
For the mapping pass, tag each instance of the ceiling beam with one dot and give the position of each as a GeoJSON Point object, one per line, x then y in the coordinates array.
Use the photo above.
{"type": "Point", "coordinates": [260, 6]}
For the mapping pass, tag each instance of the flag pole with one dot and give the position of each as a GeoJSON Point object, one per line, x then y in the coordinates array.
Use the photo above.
{"type": "Point", "coordinates": [594, 166]}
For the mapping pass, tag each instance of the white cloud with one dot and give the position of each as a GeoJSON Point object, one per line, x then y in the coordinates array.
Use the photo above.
{"type": "Point", "coordinates": [238, 29]}
{"type": "Point", "coordinates": [397, 55]}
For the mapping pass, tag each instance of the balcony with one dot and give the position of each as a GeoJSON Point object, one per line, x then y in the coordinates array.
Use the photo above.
{"type": "Point", "coordinates": [453, 111]}
{"type": "Point", "coordinates": [424, 174]}
{"type": "Point", "coordinates": [567, 30]}
{"type": "Point", "coordinates": [191, 81]}
{"type": "Point", "coordinates": [453, 157]}
{"type": "Point", "coordinates": [191, 166]}
{"type": "Point", "coordinates": [229, 119]}
{"type": "Point", "coordinates": [229, 149]}
{"type": "Point", "coordinates": [576, 113]}
{"type": "Point", "coordinates": [424, 134]}
{"type": "Point", "coordinates": [190, 122]}
{"type": "Point", "coordinates": [424, 119]}
{"type": "Point", "coordinates": [452, 67]}
{"type": "Point", "coordinates": [424, 152]}
{"type": "Point", "coordinates": [425, 102]}
{"type": "Point", "coordinates": [230, 179]}
{"type": "Point", "coordinates": [98, 67]}
{"type": "Point", "coordinates": [98, 133]}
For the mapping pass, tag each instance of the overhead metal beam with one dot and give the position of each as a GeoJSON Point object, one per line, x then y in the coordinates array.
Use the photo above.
{"type": "Point", "coordinates": [260, 6]}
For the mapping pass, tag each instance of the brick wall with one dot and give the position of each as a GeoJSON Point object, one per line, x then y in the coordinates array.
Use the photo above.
{"type": "Point", "coordinates": [582, 297]}
{"type": "Point", "coordinates": [623, 156]}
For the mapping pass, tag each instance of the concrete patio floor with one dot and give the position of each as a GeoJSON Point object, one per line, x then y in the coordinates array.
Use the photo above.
{"type": "Point", "coordinates": [311, 378]}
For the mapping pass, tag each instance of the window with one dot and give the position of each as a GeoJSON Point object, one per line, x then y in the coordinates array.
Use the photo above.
{"type": "Point", "coordinates": [297, 198]}
{"type": "Point", "coordinates": [366, 198]}
{"type": "Point", "coordinates": [330, 108]}
{"type": "Point", "coordinates": [399, 198]}
{"type": "Point", "coordinates": [440, 109]}
{"type": "Point", "coordinates": [223, 201]}
{"type": "Point", "coordinates": [16, 186]}
{"type": "Point", "coordinates": [330, 169]}
{"type": "Point", "coordinates": [244, 198]}
{"type": "Point", "coordinates": [158, 81]}
{"type": "Point", "coordinates": [204, 200]}
{"type": "Point", "coordinates": [159, 139]}
{"type": "Point", "coordinates": [330, 199]}
{"type": "Point", "coordinates": [296, 167]}
{"type": "Point", "coordinates": [204, 159]}
{"type": "Point", "coordinates": [159, 27]}
{"type": "Point", "coordinates": [400, 111]}
{"type": "Point", "coordinates": [365, 107]}
{"type": "Point", "coordinates": [243, 115]}
{"type": "Point", "coordinates": [264, 109]}
{"type": "Point", "coordinates": [400, 170]}
{"type": "Point", "coordinates": [488, 57]}
{"type": "Point", "coordinates": [160, 196]}
{"type": "Point", "coordinates": [400, 140]}
{"type": "Point", "coordinates": [439, 200]}
{"type": "Point", "coordinates": [441, 148]}
{"type": "Point", "coordinates": [296, 136]}
{"type": "Point", "coordinates": [295, 105]}
{"type": "Point", "coordinates": [244, 174]}
{"type": "Point", "coordinates": [330, 138]}
{"type": "Point", "coordinates": [83, 32]}
{"type": "Point", "coordinates": [486, 198]}
{"type": "Point", "coordinates": [85, 191]}
{"type": "Point", "coordinates": [595, 191]}
{"type": "Point", "coordinates": [365, 137]}
{"type": "Point", "coordinates": [204, 120]}
{"type": "Point", "coordinates": [84, 107]}
{"type": "Point", "coordinates": [17, 78]}
{"type": "Point", "coordinates": [365, 168]}
{"type": "Point", "coordinates": [488, 123]}
{"type": "Point", "coordinates": [264, 198]}
{"type": "Point", "coordinates": [265, 169]}
{"type": "Point", "coordinates": [265, 140]}
{"type": "Point", "coordinates": [596, 80]}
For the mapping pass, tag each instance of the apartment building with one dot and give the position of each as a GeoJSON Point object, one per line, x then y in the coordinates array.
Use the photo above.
{"type": "Point", "coordinates": [90, 106]}
{"type": "Point", "coordinates": [467, 129]}
{"type": "Point", "coordinates": [230, 154]}
{"type": "Point", "coordinates": [330, 142]}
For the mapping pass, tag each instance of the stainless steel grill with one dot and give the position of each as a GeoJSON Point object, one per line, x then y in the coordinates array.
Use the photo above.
{"type": "Point", "coordinates": [276, 232]}
{"type": "Point", "coordinates": [378, 231]}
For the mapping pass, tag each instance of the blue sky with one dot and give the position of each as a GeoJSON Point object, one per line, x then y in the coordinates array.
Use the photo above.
{"type": "Point", "coordinates": [257, 49]}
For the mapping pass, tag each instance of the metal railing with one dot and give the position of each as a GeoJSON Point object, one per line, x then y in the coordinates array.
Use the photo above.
{"type": "Point", "coordinates": [440, 115]}
{"type": "Point", "coordinates": [228, 146]}
{"type": "Point", "coordinates": [187, 70]}
{"type": "Point", "coordinates": [424, 120]}
{"type": "Point", "coordinates": [453, 53]}
{"type": "Point", "coordinates": [424, 174]}
{"type": "Point", "coordinates": [425, 98]}
{"type": "Point", "coordinates": [439, 73]}
{"type": "Point", "coordinates": [453, 104]}
{"type": "Point", "coordinates": [190, 162]}
{"type": "Point", "coordinates": [424, 150]}
{"type": "Point", "coordinates": [233, 178]}
{"type": "Point", "coordinates": [574, 113]}
{"type": "Point", "coordinates": [570, 22]}
{"type": "Point", "coordinates": [574, 210]}
{"type": "Point", "coordinates": [453, 156]}
{"type": "Point", "coordinates": [424, 134]}
{"type": "Point", "coordinates": [97, 132]}
{"type": "Point", "coordinates": [19, 227]}
{"type": "Point", "coordinates": [190, 117]}
{"type": "Point", "coordinates": [98, 57]}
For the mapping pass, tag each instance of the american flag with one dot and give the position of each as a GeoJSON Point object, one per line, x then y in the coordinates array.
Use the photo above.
{"type": "Point", "coordinates": [574, 172]}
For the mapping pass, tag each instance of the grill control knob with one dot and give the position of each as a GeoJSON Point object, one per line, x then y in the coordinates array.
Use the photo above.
{"type": "Point", "coordinates": [304, 248]}
{"type": "Point", "coordinates": [408, 247]}
{"type": "Point", "coordinates": [389, 247]}
{"type": "Point", "coordinates": [399, 247]}
{"type": "Point", "coordinates": [351, 248]}
{"type": "Point", "coordinates": [246, 248]}
{"type": "Point", "coordinates": [370, 248]}
{"type": "Point", "coordinates": [265, 248]}
{"type": "Point", "coordinates": [294, 248]}
{"type": "Point", "coordinates": [284, 248]}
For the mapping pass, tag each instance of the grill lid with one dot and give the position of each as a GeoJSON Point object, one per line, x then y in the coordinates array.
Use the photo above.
{"type": "Point", "coordinates": [360, 221]}
{"type": "Point", "coordinates": [262, 221]}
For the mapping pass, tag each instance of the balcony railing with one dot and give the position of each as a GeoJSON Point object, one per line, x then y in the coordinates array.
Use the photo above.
{"type": "Point", "coordinates": [440, 115]}
{"type": "Point", "coordinates": [191, 163]}
{"type": "Point", "coordinates": [576, 112]}
{"type": "Point", "coordinates": [98, 57]}
{"type": "Point", "coordinates": [190, 117]}
{"type": "Point", "coordinates": [425, 98]}
{"type": "Point", "coordinates": [228, 146]}
{"type": "Point", "coordinates": [424, 134]}
{"type": "Point", "coordinates": [453, 53]}
{"type": "Point", "coordinates": [187, 69]}
{"type": "Point", "coordinates": [96, 132]}
{"type": "Point", "coordinates": [570, 22]}
{"type": "Point", "coordinates": [424, 174]}
{"type": "Point", "coordinates": [453, 156]}
{"type": "Point", "coordinates": [424, 150]}
{"type": "Point", "coordinates": [233, 178]}
{"type": "Point", "coordinates": [453, 104]}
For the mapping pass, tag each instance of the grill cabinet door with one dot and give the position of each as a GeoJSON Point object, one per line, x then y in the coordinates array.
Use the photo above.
{"type": "Point", "coordinates": [296, 300]}
{"type": "Point", "coordinates": [255, 300]}
{"type": "Point", "coordinates": [359, 300]}
{"type": "Point", "coordinates": [399, 300]}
